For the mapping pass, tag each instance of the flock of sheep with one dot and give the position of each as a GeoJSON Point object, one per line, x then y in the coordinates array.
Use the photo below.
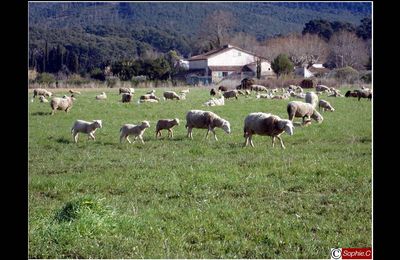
{"type": "Point", "coordinates": [264, 124]}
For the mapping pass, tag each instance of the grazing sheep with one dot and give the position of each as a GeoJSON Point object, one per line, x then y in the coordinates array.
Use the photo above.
{"type": "Point", "coordinates": [284, 96]}
{"type": "Point", "coordinates": [213, 92]}
{"type": "Point", "coordinates": [351, 94]}
{"type": "Point", "coordinates": [74, 91]}
{"type": "Point", "coordinates": [222, 88]}
{"type": "Point", "coordinates": [136, 130]}
{"type": "Point", "coordinates": [65, 104]}
{"type": "Point", "coordinates": [126, 90]}
{"type": "Point", "coordinates": [363, 93]}
{"type": "Point", "coordinates": [322, 88]}
{"type": "Point", "coordinates": [205, 120]}
{"type": "Point", "coordinates": [149, 96]}
{"type": "Point", "coordinates": [325, 106]}
{"type": "Point", "coordinates": [102, 96]}
{"type": "Point", "coordinates": [42, 99]}
{"type": "Point", "coordinates": [215, 102]}
{"type": "Point", "coordinates": [41, 92]}
{"type": "Point", "coordinates": [85, 127]}
{"type": "Point", "coordinates": [268, 96]}
{"type": "Point", "coordinates": [311, 98]}
{"type": "Point", "coordinates": [266, 124]}
{"type": "Point", "coordinates": [301, 109]}
{"type": "Point", "coordinates": [171, 95]}
{"type": "Point", "coordinates": [126, 97]}
{"type": "Point", "coordinates": [258, 88]}
{"type": "Point", "coordinates": [184, 91]}
{"type": "Point", "coordinates": [166, 124]}
{"type": "Point", "coordinates": [231, 94]}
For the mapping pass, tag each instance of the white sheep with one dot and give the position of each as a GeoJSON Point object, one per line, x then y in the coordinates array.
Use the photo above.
{"type": "Point", "coordinates": [215, 102]}
{"type": "Point", "coordinates": [258, 88]}
{"type": "Point", "coordinates": [184, 91]}
{"type": "Point", "coordinates": [135, 130]}
{"type": "Point", "coordinates": [147, 101]}
{"type": "Point", "coordinates": [325, 106]}
{"type": "Point", "coordinates": [74, 91]}
{"type": "Point", "coordinates": [126, 90]}
{"type": "Point", "coordinates": [205, 120]}
{"type": "Point", "coordinates": [171, 95]}
{"type": "Point", "coordinates": [312, 99]}
{"type": "Point", "coordinates": [64, 103]}
{"type": "Point", "coordinates": [267, 96]}
{"type": "Point", "coordinates": [41, 92]}
{"type": "Point", "coordinates": [149, 96]}
{"type": "Point", "coordinates": [102, 96]}
{"type": "Point", "coordinates": [81, 126]}
{"type": "Point", "coordinates": [167, 124]}
{"type": "Point", "coordinates": [266, 124]}
{"type": "Point", "coordinates": [304, 110]}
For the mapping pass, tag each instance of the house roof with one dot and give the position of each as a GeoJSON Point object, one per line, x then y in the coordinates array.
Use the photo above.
{"type": "Point", "coordinates": [215, 52]}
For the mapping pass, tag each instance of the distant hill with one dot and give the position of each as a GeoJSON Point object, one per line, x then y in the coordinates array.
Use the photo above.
{"type": "Point", "coordinates": [122, 30]}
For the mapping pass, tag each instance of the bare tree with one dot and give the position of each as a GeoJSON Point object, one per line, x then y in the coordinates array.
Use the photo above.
{"type": "Point", "coordinates": [348, 50]}
{"type": "Point", "coordinates": [301, 49]}
{"type": "Point", "coordinates": [245, 41]}
{"type": "Point", "coordinates": [215, 29]}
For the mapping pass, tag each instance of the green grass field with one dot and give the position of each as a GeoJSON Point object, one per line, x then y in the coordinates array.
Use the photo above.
{"type": "Point", "coordinates": [181, 198]}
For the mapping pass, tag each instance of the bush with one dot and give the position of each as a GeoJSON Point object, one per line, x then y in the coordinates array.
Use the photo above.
{"type": "Point", "coordinates": [76, 79]}
{"type": "Point", "coordinates": [366, 78]}
{"type": "Point", "coordinates": [45, 78]}
{"type": "Point", "coordinates": [346, 75]}
{"type": "Point", "coordinates": [97, 74]}
{"type": "Point", "coordinates": [282, 65]}
{"type": "Point", "coordinates": [113, 82]}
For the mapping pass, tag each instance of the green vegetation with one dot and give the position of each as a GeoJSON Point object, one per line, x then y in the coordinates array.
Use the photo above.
{"type": "Point", "coordinates": [282, 65]}
{"type": "Point", "coordinates": [180, 198]}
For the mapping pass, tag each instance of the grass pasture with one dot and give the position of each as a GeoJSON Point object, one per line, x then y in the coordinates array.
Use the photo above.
{"type": "Point", "coordinates": [181, 198]}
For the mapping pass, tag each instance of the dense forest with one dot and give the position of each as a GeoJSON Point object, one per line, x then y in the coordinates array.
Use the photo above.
{"type": "Point", "coordinates": [82, 37]}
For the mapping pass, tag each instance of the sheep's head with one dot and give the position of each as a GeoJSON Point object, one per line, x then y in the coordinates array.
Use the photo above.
{"type": "Point", "coordinates": [98, 123]}
{"type": "Point", "coordinates": [286, 125]}
{"type": "Point", "coordinates": [145, 124]}
{"type": "Point", "coordinates": [226, 126]}
{"type": "Point", "coordinates": [331, 108]}
{"type": "Point", "coordinates": [176, 121]}
{"type": "Point", "coordinates": [317, 116]}
{"type": "Point", "coordinates": [49, 94]}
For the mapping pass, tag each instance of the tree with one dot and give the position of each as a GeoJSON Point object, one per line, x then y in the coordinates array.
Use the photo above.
{"type": "Point", "coordinates": [365, 29]}
{"type": "Point", "coordinates": [214, 30]}
{"type": "Point", "coordinates": [320, 27]}
{"type": "Point", "coordinates": [282, 65]}
{"type": "Point", "coordinates": [348, 50]}
{"type": "Point", "coordinates": [302, 50]}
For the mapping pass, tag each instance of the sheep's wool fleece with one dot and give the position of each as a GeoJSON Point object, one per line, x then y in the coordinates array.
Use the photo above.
{"type": "Point", "coordinates": [200, 119]}
{"type": "Point", "coordinates": [262, 124]}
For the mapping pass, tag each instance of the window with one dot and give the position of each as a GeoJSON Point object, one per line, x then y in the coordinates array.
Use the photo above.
{"type": "Point", "coordinates": [224, 74]}
{"type": "Point", "coordinates": [239, 53]}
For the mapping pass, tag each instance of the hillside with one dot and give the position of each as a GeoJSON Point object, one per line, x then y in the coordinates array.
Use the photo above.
{"type": "Point", "coordinates": [112, 31]}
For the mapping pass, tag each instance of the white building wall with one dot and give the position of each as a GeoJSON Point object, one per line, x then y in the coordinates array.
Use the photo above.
{"type": "Point", "coordinates": [198, 64]}
{"type": "Point", "coordinates": [231, 57]}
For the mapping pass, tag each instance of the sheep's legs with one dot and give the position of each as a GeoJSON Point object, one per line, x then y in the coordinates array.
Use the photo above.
{"type": "Point", "coordinates": [92, 136]}
{"type": "Point", "coordinates": [251, 141]}
{"type": "Point", "coordinates": [170, 132]}
{"type": "Point", "coordinates": [215, 136]}
{"type": "Point", "coordinates": [273, 141]}
{"type": "Point", "coordinates": [280, 139]}
{"type": "Point", "coordinates": [158, 133]}
{"type": "Point", "coordinates": [189, 134]}
{"type": "Point", "coordinates": [127, 138]}
{"type": "Point", "coordinates": [75, 136]}
{"type": "Point", "coordinates": [246, 141]}
{"type": "Point", "coordinates": [141, 139]}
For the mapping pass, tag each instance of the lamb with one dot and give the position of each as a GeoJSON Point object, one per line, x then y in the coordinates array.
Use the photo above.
{"type": "Point", "coordinates": [149, 96]}
{"type": "Point", "coordinates": [231, 94]}
{"type": "Point", "coordinates": [222, 88]}
{"type": "Point", "coordinates": [43, 99]}
{"type": "Point", "coordinates": [258, 88]}
{"type": "Point", "coordinates": [325, 106]}
{"type": "Point", "coordinates": [184, 91]}
{"type": "Point", "coordinates": [266, 124]}
{"type": "Point", "coordinates": [215, 102]}
{"type": "Point", "coordinates": [363, 93]}
{"type": "Point", "coordinates": [89, 128]}
{"type": "Point", "coordinates": [171, 95]}
{"type": "Point", "coordinates": [301, 109]}
{"type": "Point", "coordinates": [136, 130]}
{"type": "Point", "coordinates": [126, 97]}
{"type": "Point", "coordinates": [311, 98]}
{"type": "Point", "coordinates": [126, 90]}
{"type": "Point", "coordinates": [335, 93]}
{"type": "Point", "coordinates": [65, 104]}
{"type": "Point", "coordinates": [74, 91]}
{"type": "Point", "coordinates": [205, 120]}
{"type": "Point", "coordinates": [166, 124]}
{"type": "Point", "coordinates": [41, 92]}
{"type": "Point", "coordinates": [102, 96]}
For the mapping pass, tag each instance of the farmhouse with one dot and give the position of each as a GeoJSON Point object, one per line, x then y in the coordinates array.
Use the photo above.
{"type": "Point", "coordinates": [228, 61]}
